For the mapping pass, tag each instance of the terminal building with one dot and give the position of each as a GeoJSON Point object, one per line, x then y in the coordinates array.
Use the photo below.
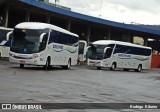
{"type": "Point", "coordinates": [87, 27]}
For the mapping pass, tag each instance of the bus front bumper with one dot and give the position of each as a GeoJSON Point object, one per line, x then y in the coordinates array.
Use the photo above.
{"type": "Point", "coordinates": [36, 61]}
{"type": "Point", "coordinates": [96, 63]}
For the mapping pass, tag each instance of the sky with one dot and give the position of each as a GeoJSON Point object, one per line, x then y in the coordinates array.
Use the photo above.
{"type": "Point", "coordinates": [124, 11]}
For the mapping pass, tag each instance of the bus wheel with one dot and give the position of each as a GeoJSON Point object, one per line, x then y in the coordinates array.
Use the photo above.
{"type": "Point", "coordinates": [98, 68]}
{"type": "Point", "coordinates": [68, 65]}
{"type": "Point", "coordinates": [113, 67]}
{"type": "Point", "coordinates": [46, 67]}
{"type": "Point", "coordinates": [21, 65]}
{"type": "Point", "coordinates": [139, 68]}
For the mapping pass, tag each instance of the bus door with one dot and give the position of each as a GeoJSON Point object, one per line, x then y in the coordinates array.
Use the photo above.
{"type": "Point", "coordinates": [82, 50]}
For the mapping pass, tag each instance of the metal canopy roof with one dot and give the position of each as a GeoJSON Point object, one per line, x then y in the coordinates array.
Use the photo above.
{"type": "Point", "coordinates": [89, 18]}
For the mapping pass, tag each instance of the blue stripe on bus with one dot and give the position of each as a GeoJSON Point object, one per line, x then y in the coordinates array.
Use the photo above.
{"type": "Point", "coordinates": [136, 58]}
{"type": "Point", "coordinates": [65, 50]}
{"type": "Point", "coordinates": [8, 43]}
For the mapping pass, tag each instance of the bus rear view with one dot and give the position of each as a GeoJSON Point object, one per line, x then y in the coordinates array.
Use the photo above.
{"type": "Point", "coordinates": [82, 50]}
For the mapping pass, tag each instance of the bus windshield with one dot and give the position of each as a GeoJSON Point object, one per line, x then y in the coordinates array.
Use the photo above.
{"type": "Point", "coordinates": [27, 41]}
{"type": "Point", "coordinates": [97, 51]}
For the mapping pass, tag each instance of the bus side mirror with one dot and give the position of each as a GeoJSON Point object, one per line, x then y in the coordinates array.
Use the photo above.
{"type": "Point", "coordinates": [105, 50]}
{"type": "Point", "coordinates": [8, 35]}
{"type": "Point", "coordinates": [41, 37]}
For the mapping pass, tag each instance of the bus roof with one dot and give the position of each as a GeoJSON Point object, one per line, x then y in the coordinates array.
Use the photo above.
{"type": "Point", "coordinates": [106, 42]}
{"type": "Point", "coordinates": [4, 28]}
{"type": "Point", "coordinates": [37, 25]}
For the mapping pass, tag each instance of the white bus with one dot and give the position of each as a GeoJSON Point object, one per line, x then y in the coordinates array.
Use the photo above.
{"type": "Point", "coordinates": [5, 41]}
{"type": "Point", "coordinates": [115, 54]}
{"type": "Point", "coordinates": [82, 50]}
{"type": "Point", "coordinates": [43, 44]}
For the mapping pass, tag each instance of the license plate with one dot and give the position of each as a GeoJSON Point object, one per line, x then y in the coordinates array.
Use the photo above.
{"type": "Point", "coordinates": [22, 61]}
{"type": "Point", "coordinates": [92, 64]}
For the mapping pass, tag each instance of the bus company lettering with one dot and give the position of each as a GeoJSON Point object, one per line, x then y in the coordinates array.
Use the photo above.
{"type": "Point", "coordinates": [57, 46]}
{"type": "Point", "coordinates": [124, 55]}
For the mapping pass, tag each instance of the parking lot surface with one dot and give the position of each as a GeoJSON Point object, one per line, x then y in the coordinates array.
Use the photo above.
{"type": "Point", "coordinates": [80, 84]}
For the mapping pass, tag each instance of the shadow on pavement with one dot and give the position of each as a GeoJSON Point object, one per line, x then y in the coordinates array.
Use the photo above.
{"type": "Point", "coordinates": [41, 68]}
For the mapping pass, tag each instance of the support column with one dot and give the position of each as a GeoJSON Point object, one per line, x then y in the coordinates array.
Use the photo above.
{"type": "Point", "coordinates": [6, 14]}
{"type": "Point", "coordinates": [68, 27]}
{"type": "Point", "coordinates": [131, 39]}
{"type": "Point", "coordinates": [109, 34]}
{"type": "Point", "coordinates": [27, 19]}
{"type": "Point", "coordinates": [88, 34]}
{"type": "Point", "coordinates": [48, 19]}
{"type": "Point", "coordinates": [145, 41]}
{"type": "Point", "coordinates": [127, 38]}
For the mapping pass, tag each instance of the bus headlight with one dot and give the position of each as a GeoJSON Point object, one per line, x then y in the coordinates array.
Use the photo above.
{"type": "Point", "coordinates": [10, 54]}
{"type": "Point", "coordinates": [101, 63]}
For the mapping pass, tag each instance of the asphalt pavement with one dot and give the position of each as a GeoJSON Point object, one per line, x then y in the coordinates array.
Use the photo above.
{"type": "Point", "coordinates": [80, 84]}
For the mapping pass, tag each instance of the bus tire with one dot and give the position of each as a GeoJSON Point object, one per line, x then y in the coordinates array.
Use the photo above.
{"type": "Point", "coordinates": [139, 69]}
{"type": "Point", "coordinates": [98, 68]}
{"type": "Point", "coordinates": [21, 65]}
{"type": "Point", "coordinates": [68, 65]}
{"type": "Point", "coordinates": [47, 66]}
{"type": "Point", "coordinates": [113, 67]}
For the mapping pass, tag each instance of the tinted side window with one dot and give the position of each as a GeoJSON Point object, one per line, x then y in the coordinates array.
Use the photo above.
{"type": "Point", "coordinates": [62, 38]}
{"type": "Point", "coordinates": [132, 50]}
{"type": "Point", "coordinates": [146, 52]}
{"type": "Point", "coordinates": [3, 34]}
{"type": "Point", "coordinates": [54, 37]}
{"type": "Point", "coordinates": [139, 51]}
{"type": "Point", "coordinates": [121, 49]}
